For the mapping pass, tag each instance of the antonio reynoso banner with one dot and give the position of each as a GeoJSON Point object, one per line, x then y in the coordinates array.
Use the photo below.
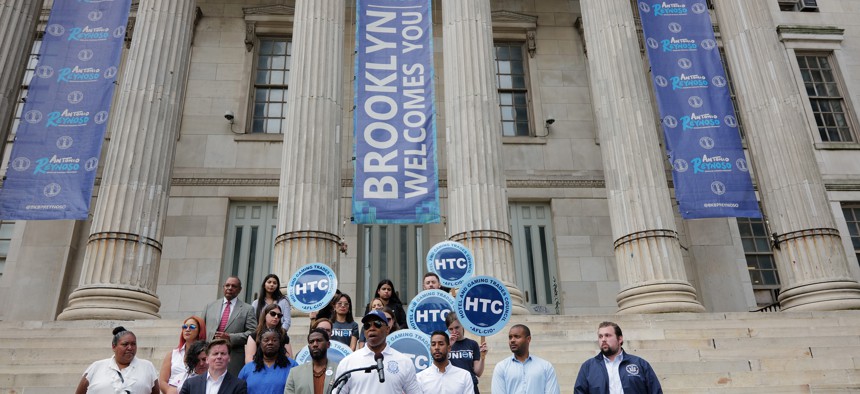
{"type": "Point", "coordinates": [396, 176]}
{"type": "Point", "coordinates": [54, 160]}
{"type": "Point", "coordinates": [710, 171]}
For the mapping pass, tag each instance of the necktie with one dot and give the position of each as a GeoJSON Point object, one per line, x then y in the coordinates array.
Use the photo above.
{"type": "Point", "coordinates": [224, 317]}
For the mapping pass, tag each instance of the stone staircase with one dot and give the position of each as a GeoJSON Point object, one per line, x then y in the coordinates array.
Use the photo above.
{"type": "Point", "coordinates": [691, 353]}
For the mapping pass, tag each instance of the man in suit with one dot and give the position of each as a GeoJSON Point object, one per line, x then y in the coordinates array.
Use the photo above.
{"type": "Point", "coordinates": [217, 379]}
{"type": "Point", "coordinates": [314, 377]}
{"type": "Point", "coordinates": [233, 320]}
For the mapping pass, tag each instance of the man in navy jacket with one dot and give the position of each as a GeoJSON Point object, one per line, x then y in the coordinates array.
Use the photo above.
{"type": "Point", "coordinates": [613, 370]}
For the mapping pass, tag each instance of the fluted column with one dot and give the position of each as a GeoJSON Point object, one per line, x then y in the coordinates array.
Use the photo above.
{"type": "Point", "coordinates": [812, 264]}
{"type": "Point", "coordinates": [118, 280]}
{"type": "Point", "coordinates": [308, 198]}
{"type": "Point", "coordinates": [647, 250]}
{"type": "Point", "coordinates": [18, 19]}
{"type": "Point", "coordinates": [477, 194]}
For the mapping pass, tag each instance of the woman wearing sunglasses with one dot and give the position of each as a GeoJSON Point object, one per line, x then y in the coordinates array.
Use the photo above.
{"type": "Point", "coordinates": [173, 371]}
{"type": "Point", "coordinates": [269, 319]}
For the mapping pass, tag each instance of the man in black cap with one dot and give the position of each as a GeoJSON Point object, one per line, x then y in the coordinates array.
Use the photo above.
{"type": "Point", "coordinates": [398, 372]}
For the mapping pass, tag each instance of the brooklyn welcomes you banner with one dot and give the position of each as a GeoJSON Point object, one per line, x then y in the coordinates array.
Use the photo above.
{"type": "Point", "coordinates": [710, 170]}
{"type": "Point", "coordinates": [54, 160]}
{"type": "Point", "coordinates": [396, 175]}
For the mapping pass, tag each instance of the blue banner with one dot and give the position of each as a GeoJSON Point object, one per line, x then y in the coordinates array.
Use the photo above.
{"type": "Point", "coordinates": [396, 175]}
{"type": "Point", "coordinates": [55, 156]}
{"type": "Point", "coordinates": [710, 171]}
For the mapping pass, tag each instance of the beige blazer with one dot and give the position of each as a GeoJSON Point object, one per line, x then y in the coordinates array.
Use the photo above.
{"type": "Point", "coordinates": [301, 378]}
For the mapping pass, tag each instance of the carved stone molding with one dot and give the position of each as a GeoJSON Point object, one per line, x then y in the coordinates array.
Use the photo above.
{"type": "Point", "coordinates": [278, 18]}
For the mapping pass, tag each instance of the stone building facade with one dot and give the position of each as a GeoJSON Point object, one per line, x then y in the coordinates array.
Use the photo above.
{"type": "Point", "coordinates": [551, 171]}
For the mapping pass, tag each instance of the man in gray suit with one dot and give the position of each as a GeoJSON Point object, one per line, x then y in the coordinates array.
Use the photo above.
{"type": "Point", "coordinates": [316, 376]}
{"type": "Point", "coordinates": [230, 318]}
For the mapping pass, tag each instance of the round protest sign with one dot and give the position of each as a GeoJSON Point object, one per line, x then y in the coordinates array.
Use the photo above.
{"type": "Point", "coordinates": [413, 344]}
{"type": "Point", "coordinates": [452, 261]}
{"type": "Point", "coordinates": [336, 352]}
{"type": "Point", "coordinates": [312, 287]}
{"type": "Point", "coordinates": [483, 305]}
{"type": "Point", "coordinates": [428, 309]}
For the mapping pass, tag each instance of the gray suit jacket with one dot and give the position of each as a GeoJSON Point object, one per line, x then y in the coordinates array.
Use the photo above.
{"type": "Point", "coordinates": [301, 378]}
{"type": "Point", "coordinates": [242, 323]}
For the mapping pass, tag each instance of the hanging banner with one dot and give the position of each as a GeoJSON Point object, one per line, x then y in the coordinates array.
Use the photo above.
{"type": "Point", "coordinates": [710, 171]}
{"type": "Point", "coordinates": [55, 156]}
{"type": "Point", "coordinates": [396, 175]}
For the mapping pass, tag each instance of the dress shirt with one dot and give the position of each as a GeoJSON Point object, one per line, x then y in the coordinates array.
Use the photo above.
{"type": "Point", "coordinates": [213, 385]}
{"type": "Point", "coordinates": [453, 381]}
{"type": "Point", "coordinates": [399, 373]}
{"type": "Point", "coordinates": [612, 370]}
{"type": "Point", "coordinates": [535, 376]}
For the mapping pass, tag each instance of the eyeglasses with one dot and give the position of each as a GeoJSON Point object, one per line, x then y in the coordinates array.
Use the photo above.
{"type": "Point", "coordinates": [342, 303]}
{"type": "Point", "coordinates": [276, 314]}
{"type": "Point", "coordinates": [189, 327]}
{"type": "Point", "coordinates": [376, 323]}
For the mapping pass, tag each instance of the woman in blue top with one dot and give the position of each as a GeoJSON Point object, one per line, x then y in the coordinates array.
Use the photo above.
{"type": "Point", "coordinates": [267, 374]}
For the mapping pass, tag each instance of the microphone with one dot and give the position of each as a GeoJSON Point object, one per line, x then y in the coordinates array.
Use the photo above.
{"type": "Point", "coordinates": [379, 368]}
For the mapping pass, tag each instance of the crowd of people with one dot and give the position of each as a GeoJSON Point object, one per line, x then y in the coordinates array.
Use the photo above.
{"type": "Point", "coordinates": [247, 350]}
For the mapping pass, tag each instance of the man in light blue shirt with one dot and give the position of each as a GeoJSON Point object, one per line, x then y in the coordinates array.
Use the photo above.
{"type": "Point", "coordinates": [523, 373]}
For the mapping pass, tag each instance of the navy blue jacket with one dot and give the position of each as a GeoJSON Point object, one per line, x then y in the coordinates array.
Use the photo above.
{"type": "Point", "coordinates": [636, 375]}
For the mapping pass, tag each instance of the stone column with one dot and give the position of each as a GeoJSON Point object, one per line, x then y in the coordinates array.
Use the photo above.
{"type": "Point", "coordinates": [309, 193]}
{"type": "Point", "coordinates": [18, 19]}
{"type": "Point", "coordinates": [477, 194]}
{"type": "Point", "coordinates": [647, 250]}
{"type": "Point", "coordinates": [812, 264]}
{"type": "Point", "coordinates": [118, 280]}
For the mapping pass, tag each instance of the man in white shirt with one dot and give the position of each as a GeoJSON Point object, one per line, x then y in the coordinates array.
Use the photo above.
{"type": "Point", "coordinates": [217, 380]}
{"type": "Point", "coordinates": [398, 370]}
{"type": "Point", "coordinates": [442, 377]}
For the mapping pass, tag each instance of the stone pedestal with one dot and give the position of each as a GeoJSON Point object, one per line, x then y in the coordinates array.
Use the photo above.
{"type": "Point", "coordinates": [811, 260]}
{"type": "Point", "coordinates": [309, 193]}
{"type": "Point", "coordinates": [118, 280]}
{"type": "Point", "coordinates": [477, 194]}
{"type": "Point", "coordinates": [18, 19]}
{"type": "Point", "coordinates": [647, 250]}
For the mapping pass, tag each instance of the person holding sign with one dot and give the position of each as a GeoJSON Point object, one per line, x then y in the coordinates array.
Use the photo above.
{"type": "Point", "coordinates": [316, 376]}
{"type": "Point", "coordinates": [523, 373]}
{"type": "Point", "coordinates": [398, 372]}
{"type": "Point", "coordinates": [465, 353]}
{"type": "Point", "coordinates": [443, 377]}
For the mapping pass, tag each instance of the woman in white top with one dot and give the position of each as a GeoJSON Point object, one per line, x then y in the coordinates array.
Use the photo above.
{"type": "Point", "coordinates": [270, 293]}
{"type": "Point", "coordinates": [173, 369]}
{"type": "Point", "coordinates": [122, 373]}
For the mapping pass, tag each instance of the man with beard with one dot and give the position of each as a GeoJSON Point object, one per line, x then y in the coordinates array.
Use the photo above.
{"type": "Point", "coordinates": [217, 379]}
{"type": "Point", "coordinates": [315, 376]}
{"type": "Point", "coordinates": [613, 370]}
{"type": "Point", "coordinates": [399, 372]}
{"type": "Point", "coordinates": [523, 373]}
{"type": "Point", "coordinates": [442, 377]}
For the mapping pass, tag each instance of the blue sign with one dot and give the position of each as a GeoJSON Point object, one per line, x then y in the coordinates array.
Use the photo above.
{"type": "Point", "coordinates": [483, 305]}
{"type": "Point", "coordinates": [312, 287]}
{"type": "Point", "coordinates": [57, 146]}
{"type": "Point", "coordinates": [428, 310]}
{"type": "Point", "coordinates": [709, 168]}
{"type": "Point", "coordinates": [413, 344]}
{"type": "Point", "coordinates": [452, 261]}
{"type": "Point", "coordinates": [396, 175]}
{"type": "Point", "coordinates": [336, 352]}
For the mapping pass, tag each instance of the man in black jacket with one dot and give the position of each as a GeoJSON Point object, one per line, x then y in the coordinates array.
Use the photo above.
{"type": "Point", "coordinates": [613, 370]}
{"type": "Point", "coordinates": [218, 357]}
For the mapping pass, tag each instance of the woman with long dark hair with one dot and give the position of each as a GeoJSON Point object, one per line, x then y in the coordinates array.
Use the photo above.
{"type": "Point", "coordinates": [267, 372]}
{"type": "Point", "coordinates": [270, 293]}
{"type": "Point", "coordinates": [385, 292]}
{"type": "Point", "coordinates": [173, 372]}
{"type": "Point", "coordinates": [269, 319]}
{"type": "Point", "coordinates": [344, 327]}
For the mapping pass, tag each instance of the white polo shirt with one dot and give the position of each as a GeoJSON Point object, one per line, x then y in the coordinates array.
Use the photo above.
{"type": "Point", "coordinates": [453, 381]}
{"type": "Point", "coordinates": [399, 373]}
